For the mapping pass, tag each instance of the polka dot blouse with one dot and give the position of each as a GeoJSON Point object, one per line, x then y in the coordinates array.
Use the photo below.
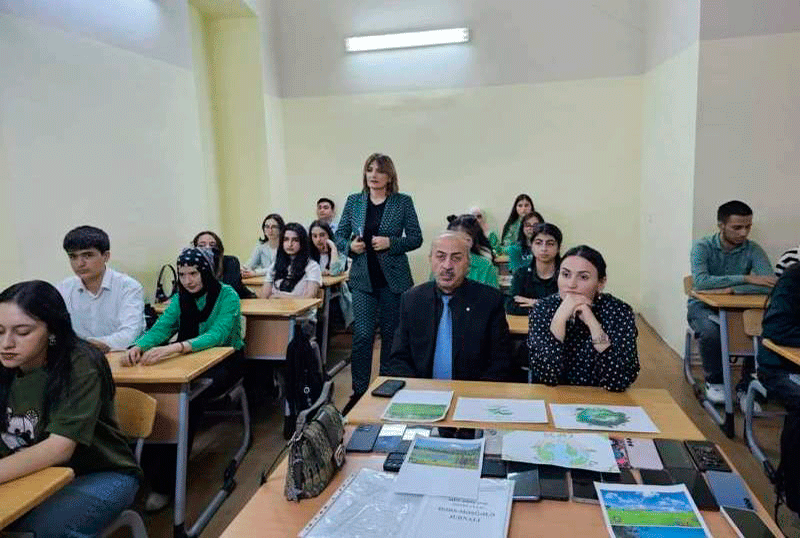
{"type": "Point", "coordinates": [575, 361]}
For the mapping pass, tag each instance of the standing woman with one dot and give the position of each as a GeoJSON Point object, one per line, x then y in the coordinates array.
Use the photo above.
{"type": "Point", "coordinates": [378, 226]}
{"type": "Point", "coordinates": [228, 270]}
{"type": "Point", "coordinates": [539, 278]}
{"type": "Point", "coordinates": [520, 253]}
{"type": "Point", "coordinates": [57, 402]}
{"type": "Point", "coordinates": [264, 254]}
{"type": "Point", "coordinates": [522, 206]}
{"type": "Point", "coordinates": [581, 336]}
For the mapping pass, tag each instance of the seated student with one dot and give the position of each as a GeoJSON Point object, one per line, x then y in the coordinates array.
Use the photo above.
{"type": "Point", "coordinates": [581, 336]}
{"type": "Point", "coordinates": [522, 206]}
{"type": "Point", "coordinates": [227, 270]}
{"type": "Point", "coordinates": [788, 258]}
{"type": "Point", "coordinates": [264, 254]}
{"type": "Point", "coordinates": [326, 212]}
{"type": "Point", "coordinates": [453, 327]}
{"type": "Point", "coordinates": [205, 314]}
{"type": "Point", "coordinates": [323, 251]}
{"type": "Point", "coordinates": [725, 262]}
{"type": "Point", "coordinates": [481, 266]}
{"type": "Point", "coordinates": [540, 277]}
{"type": "Point", "coordinates": [106, 307]}
{"type": "Point", "coordinates": [476, 212]}
{"type": "Point", "coordinates": [294, 273]}
{"type": "Point", "coordinates": [520, 254]}
{"type": "Point", "coordinates": [57, 401]}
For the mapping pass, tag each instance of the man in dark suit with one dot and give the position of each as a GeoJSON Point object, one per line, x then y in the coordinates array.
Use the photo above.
{"type": "Point", "coordinates": [452, 328]}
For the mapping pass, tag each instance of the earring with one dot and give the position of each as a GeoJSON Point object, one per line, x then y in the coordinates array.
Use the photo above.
{"type": "Point", "coordinates": [51, 340]}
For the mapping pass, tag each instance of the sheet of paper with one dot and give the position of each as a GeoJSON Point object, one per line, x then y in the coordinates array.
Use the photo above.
{"type": "Point", "coordinates": [500, 410]}
{"type": "Point", "coordinates": [618, 418]}
{"type": "Point", "coordinates": [650, 511]}
{"type": "Point", "coordinates": [588, 451]}
{"type": "Point", "coordinates": [437, 466]}
{"type": "Point", "coordinates": [418, 406]}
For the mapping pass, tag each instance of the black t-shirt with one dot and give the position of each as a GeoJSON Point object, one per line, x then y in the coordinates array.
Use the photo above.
{"type": "Point", "coordinates": [371, 225]}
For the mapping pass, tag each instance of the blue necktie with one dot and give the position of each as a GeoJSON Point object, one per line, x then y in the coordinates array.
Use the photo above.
{"type": "Point", "coordinates": [443, 356]}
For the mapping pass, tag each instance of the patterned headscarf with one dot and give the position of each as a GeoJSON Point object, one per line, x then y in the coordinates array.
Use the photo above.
{"type": "Point", "coordinates": [191, 317]}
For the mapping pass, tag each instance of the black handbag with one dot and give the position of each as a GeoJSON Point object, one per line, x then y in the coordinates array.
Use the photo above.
{"type": "Point", "coordinates": [162, 297]}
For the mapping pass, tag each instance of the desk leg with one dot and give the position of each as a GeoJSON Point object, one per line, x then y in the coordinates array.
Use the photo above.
{"type": "Point", "coordinates": [727, 426]}
{"type": "Point", "coordinates": [326, 313]}
{"type": "Point", "coordinates": [182, 462]}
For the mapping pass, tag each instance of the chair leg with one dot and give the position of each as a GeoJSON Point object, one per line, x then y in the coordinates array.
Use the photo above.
{"type": "Point", "coordinates": [687, 359]}
{"type": "Point", "coordinates": [752, 442]}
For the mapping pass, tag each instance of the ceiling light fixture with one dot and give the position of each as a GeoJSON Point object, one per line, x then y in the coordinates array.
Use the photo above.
{"type": "Point", "coordinates": [406, 40]}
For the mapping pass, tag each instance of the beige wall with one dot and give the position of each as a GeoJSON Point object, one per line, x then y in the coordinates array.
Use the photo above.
{"type": "Point", "coordinates": [668, 146]}
{"type": "Point", "coordinates": [748, 135]}
{"type": "Point", "coordinates": [573, 146]}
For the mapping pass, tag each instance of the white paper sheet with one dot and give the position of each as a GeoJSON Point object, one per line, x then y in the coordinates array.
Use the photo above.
{"type": "Point", "coordinates": [588, 451]}
{"type": "Point", "coordinates": [418, 406]}
{"type": "Point", "coordinates": [500, 410]}
{"type": "Point", "coordinates": [619, 418]}
{"type": "Point", "coordinates": [437, 466]}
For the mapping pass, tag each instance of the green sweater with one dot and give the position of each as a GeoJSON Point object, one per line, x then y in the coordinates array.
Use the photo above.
{"type": "Point", "coordinates": [516, 259]}
{"type": "Point", "coordinates": [509, 238]}
{"type": "Point", "coordinates": [481, 269]}
{"type": "Point", "coordinates": [714, 268]}
{"type": "Point", "coordinates": [223, 327]}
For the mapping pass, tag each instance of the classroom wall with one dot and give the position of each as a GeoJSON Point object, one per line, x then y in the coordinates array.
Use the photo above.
{"type": "Point", "coordinates": [748, 135]}
{"type": "Point", "coordinates": [93, 132]}
{"type": "Point", "coordinates": [574, 146]}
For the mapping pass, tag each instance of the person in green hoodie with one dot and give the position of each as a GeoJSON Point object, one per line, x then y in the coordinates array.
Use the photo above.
{"type": "Point", "coordinates": [523, 204]}
{"type": "Point", "coordinates": [481, 259]}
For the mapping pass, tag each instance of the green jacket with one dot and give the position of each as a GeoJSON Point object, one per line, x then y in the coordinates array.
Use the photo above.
{"type": "Point", "coordinates": [223, 327]}
{"type": "Point", "coordinates": [481, 269]}
{"type": "Point", "coordinates": [509, 238]}
{"type": "Point", "coordinates": [399, 224]}
{"type": "Point", "coordinates": [516, 259]}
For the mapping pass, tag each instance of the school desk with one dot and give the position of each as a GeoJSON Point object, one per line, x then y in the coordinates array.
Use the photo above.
{"type": "Point", "coordinates": [21, 495]}
{"type": "Point", "coordinates": [517, 325]}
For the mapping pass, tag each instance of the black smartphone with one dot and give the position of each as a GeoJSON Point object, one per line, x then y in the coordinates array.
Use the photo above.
{"type": "Point", "coordinates": [583, 490]}
{"type": "Point", "coordinates": [390, 436]}
{"type": "Point", "coordinates": [747, 523]}
{"type": "Point", "coordinates": [673, 454]}
{"type": "Point", "coordinates": [553, 483]}
{"type": "Point", "coordinates": [706, 456]}
{"type": "Point", "coordinates": [526, 485]}
{"type": "Point", "coordinates": [493, 468]}
{"type": "Point", "coordinates": [388, 388]}
{"type": "Point", "coordinates": [652, 477]}
{"type": "Point", "coordinates": [393, 461]}
{"type": "Point", "coordinates": [624, 476]}
{"type": "Point", "coordinates": [363, 438]}
{"type": "Point", "coordinates": [697, 486]}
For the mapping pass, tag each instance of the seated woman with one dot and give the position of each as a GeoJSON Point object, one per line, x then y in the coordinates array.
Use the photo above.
{"type": "Point", "coordinates": [205, 314]}
{"type": "Point", "coordinates": [481, 266]}
{"type": "Point", "coordinates": [57, 401]}
{"type": "Point", "coordinates": [323, 251]}
{"type": "Point", "coordinates": [520, 254]}
{"type": "Point", "coordinates": [522, 206]}
{"type": "Point", "coordinates": [540, 277]}
{"type": "Point", "coordinates": [264, 254]}
{"type": "Point", "coordinates": [476, 212]}
{"type": "Point", "coordinates": [581, 336]}
{"type": "Point", "coordinates": [294, 273]}
{"type": "Point", "coordinates": [227, 270]}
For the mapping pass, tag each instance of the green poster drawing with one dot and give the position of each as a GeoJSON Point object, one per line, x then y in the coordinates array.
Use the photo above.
{"type": "Point", "coordinates": [600, 416]}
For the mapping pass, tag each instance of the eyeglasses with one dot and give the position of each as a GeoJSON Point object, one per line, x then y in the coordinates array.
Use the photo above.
{"type": "Point", "coordinates": [529, 225]}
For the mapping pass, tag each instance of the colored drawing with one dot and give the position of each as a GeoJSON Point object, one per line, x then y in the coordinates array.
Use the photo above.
{"type": "Point", "coordinates": [574, 450]}
{"type": "Point", "coordinates": [602, 417]}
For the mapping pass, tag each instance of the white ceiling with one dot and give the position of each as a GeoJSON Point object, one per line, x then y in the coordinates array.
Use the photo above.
{"type": "Point", "coordinates": [734, 18]}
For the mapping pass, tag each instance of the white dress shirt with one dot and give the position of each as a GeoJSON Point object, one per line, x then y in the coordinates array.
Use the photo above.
{"type": "Point", "coordinates": [115, 316]}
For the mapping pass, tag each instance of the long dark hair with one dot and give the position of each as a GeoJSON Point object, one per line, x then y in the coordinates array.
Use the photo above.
{"type": "Point", "coordinates": [470, 225]}
{"type": "Point", "coordinates": [277, 218]}
{"type": "Point", "coordinates": [591, 255]}
{"type": "Point", "coordinates": [220, 248]}
{"type": "Point", "coordinates": [290, 271]}
{"type": "Point", "coordinates": [522, 241]}
{"type": "Point", "coordinates": [545, 228]}
{"type": "Point", "coordinates": [312, 248]}
{"type": "Point", "coordinates": [512, 217]}
{"type": "Point", "coordinates": [41, 301]}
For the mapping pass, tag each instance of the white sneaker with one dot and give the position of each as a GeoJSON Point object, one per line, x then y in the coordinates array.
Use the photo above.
{"type": "Point", "coordinates": [156, 501]}
{"type": "Point", "coordinates": [757, 410]}
{"type": "Point", "coordinates": [715, 393]}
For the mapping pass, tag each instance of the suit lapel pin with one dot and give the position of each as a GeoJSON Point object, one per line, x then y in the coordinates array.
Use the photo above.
{"type": "Point", "coordinates": [467, 309]}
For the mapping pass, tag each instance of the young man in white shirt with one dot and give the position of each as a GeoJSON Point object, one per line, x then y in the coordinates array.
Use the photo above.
{"type": "Point", "coordinates": [326, 212]}
{"type": "Point", "coordinates": [106, 307]}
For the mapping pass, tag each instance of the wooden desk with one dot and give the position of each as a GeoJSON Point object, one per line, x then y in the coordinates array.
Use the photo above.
{"type": "Point", "coordinates": [270, 325]}
{"type": "Point", "coordinates": [169, 382]}
{"type": "Point", "coordinates": [255, 282]}
{"type": "Point", "coordinates": [733, 342]}
{"type": "Point", "coordinates": [790, 353]}
{"type": "Point", "coordinates": [19, 496]}
{"type": "Point", "coordinates": [517, 325]}
{"type": "Point", "coordinates": [659, 405]}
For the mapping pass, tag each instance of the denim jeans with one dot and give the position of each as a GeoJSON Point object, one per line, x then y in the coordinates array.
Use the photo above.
{"type": "Point", "coordinates": [707, 331]}
{"type": "Point", "coordinates": [81, 509]}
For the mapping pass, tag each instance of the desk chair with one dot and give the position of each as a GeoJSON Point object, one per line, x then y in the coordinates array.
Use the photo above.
{"type": "Point", "coordinates": [136, 412]}
{"type": "Point", "coordinates": [752, 327]}
{"type": "Point", "coordinates": [688, 356]}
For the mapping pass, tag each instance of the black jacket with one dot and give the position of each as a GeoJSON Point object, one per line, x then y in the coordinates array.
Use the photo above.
{"type": "Point", "coordinates": [232, 276]}
{"type": "Point", "coordinates": [481, 349]}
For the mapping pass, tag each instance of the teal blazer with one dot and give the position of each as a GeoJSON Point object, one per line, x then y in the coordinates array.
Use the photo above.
{"type": "Point", "coordinates": [399, 224]}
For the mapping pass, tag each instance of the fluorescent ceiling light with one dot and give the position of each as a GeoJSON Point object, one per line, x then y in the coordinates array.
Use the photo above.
{"type": "Point", "coordinates": [407, 39]}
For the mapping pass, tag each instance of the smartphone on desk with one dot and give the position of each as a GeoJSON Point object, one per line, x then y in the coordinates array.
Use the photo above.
{"type": "Point", "coordinates": [553, 483]}
{"type": "Point", "coordinates": [746, 523]}
{"type": "Point", "coordinates": [583, 490]}
{"type": "Point", "coordinates": [388, 388]}
{"type": "Point", "coordinates": [697, 486]}
{"type": "Point", "coordinates": [526, 485]}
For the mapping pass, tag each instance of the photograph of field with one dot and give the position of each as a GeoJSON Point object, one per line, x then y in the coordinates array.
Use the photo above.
{"type": "Point", "coordinates": [652, 518]}
{"type": "Point", "coordinates": [446, 453]}
{"type": "Point", "coordinates": [657, 532]}
{"type": "Point", "coordinates": [414, 411]}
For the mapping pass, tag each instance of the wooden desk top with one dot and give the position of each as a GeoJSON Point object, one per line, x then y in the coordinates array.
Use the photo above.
{"type": "Point", "coordinates": [279, 308]}
{"type": "Point", "coordinates": [791, 353]}
{"type": "Point", "coordinates": [730, 301]}
{"type": "Point", "coordinates": [659, 405]}
{"type": "Point", "coordinates": [179, 369]}
{"type": "Point", "coordinates": [501, 259]}
{"type": "Point", "coordinates": [269, 515]}
{"type": "Point", "coordinates": [19, 496]}
{"type": "Point", "coordinates": [327, 280]}
{"type": "Point", "coordinates": [517, 324]}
